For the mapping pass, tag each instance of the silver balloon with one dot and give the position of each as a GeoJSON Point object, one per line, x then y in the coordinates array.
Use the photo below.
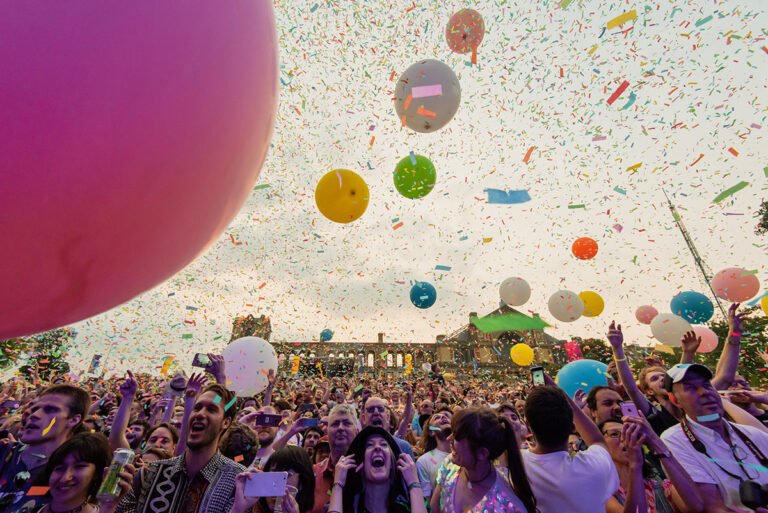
{"type": "Point", "coordinates": [427, 96]}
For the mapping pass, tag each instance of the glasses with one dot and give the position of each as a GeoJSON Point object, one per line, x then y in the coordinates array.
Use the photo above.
{"type": "Point", "coordinates": [612, 434]}
{"type": "Point", "coordinates": [740, 455]}
{"type": "Point", "coordinates": [375, 409]}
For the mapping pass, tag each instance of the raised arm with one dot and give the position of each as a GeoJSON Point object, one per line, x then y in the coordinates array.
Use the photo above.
{"type": "Point", "coordinates": [407, 414]}
{"type": "Point", "coordinates": [194, 385]}
{"type": "Point", "coordinates": [271, 378]}
{"type": "Point", "coordinates": [729, 358]}
{"type": "Point", "coordinates": [690, 343]}
{"type": "Point", "coordinates": [216, 368]}
{"type": "Point", "coordinates": [128, 388]}
{"type": "Point", "coordinates": [616, 339]}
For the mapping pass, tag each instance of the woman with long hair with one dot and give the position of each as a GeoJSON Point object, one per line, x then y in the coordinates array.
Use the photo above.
{"type": "Point", "coordinates": [74, 472]}
{"type": "Point", "coordinates": [374, 477]}
{"type": "Point", "coordinates": [471, 483]}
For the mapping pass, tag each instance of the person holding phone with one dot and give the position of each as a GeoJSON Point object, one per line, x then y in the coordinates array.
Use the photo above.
{"type": "Point", "coordinates": [375, 477]}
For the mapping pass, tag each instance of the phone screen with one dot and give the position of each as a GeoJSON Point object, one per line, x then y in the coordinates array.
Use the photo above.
{"type": "Point", "coordinates": [268, 420]}
{"type": "Point", "coordinates": [201, 360]}
{"type": "Point", "coordinates": [537, 376]}
{"type": "Point", "coordinates": [266, 484]}
{"type": "Point", "coordinates": [629, 410]}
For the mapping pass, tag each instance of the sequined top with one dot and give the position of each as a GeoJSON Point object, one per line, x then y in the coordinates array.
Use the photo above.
{"type": "Point", "coordinates": [499, 499]}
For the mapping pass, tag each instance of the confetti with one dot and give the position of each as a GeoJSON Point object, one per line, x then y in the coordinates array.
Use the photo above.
{"type": "Point", "coordinates": [729, 192]}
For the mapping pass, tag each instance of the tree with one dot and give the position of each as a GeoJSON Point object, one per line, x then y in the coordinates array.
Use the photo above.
{"type": "Point", "coordinates": [48, 353]}
{"type": "Point", "coordinates": [762, 223]}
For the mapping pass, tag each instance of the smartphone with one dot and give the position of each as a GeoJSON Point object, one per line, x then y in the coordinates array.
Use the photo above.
{"type": "Point", "coordinates": [629, 409]}
{"type": "Point", "coordinates": [10, 404]}
{"type": "Point", "coordinates": [267, 420]}
{"type": "Point", "coordinates": [537, 375]}
{"type": "Point", "coordinates": [266, 484]}
{"type": "Point", "coordinates": [310, 422]}
{"type": "Point", "coordinates": [201, 360]}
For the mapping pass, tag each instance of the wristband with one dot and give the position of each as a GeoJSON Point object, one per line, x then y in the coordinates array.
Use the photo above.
{"type": "Point", "coordinates": [414, 485]}
{"type": "Point", "coordinates": [620, 359]}
{"type": "Point", "coordinates": [734, 334]}
{"type": "Point", "coordinates": [340, 485]}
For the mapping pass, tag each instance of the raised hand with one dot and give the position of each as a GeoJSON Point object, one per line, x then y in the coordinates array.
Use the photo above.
{"type": "Point", "coordinates": [407, 469]}
{"type": "Point", "coordinates": [129, 387]}
{"type": "Point", "coordinates": [195, 384]}
{"type": "Point", "coordinates": [615, 336]}
{"type": "Point", "coordinates": [345, 464]}
{"type": "Point", "coordinates": [690, 342]}
{"type": "Point", "coordinates": [216, 367]}
{"type": "Point", "coordinates": [735, 321]}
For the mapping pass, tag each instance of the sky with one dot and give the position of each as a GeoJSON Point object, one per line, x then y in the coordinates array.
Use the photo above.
{"type": "Point", "coordinates": [698, 71]}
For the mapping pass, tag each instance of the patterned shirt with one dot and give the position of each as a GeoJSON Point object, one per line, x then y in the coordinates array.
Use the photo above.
{"type": "Point", "coordinates": [165, 487]}
{"type": "Point", "coordinates": [16, 480]}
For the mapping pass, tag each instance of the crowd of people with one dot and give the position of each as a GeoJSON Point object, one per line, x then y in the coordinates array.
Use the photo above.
{"type": "Point", "coordinates": [682, 439]}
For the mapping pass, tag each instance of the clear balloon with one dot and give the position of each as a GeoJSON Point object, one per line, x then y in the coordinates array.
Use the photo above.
{"type": "Point", "coordinates": [427, 96]}
{"type": "Point", "coordinates": [582, 374]}
{"type": "Point", "coordinates": [521, 354]}
{"type": "Point", "coordinates": [735, 284]}
{"type": "Point", "coordinates": [593, 303]}
{"type": "Point", "coordinates": [342, 196]}
{"type": "Point", "coordinates": [248, 361]}
{"type": "Point", "coordinates": [694, 307]}
{"type": "Point", "coordinates": [565, 306]}
{"type": "Point", "coordinates": [708, 337]}
{"type": "Point", "coordinates": [669, 329]}
{"type": "Point", "coordinates": [645, 314]}
{"type": "Point", "coordinates": [465, 31]}
{"type": "Point", "coordinates": [132, 134]}
{"type": "Point", "coordinates": [515, 291]}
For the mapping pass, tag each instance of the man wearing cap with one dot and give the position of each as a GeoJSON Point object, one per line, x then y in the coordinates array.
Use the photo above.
{"type": "Point", "coordinates": [719, 455]}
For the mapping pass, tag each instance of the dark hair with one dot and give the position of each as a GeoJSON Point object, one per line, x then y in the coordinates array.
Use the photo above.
{"type": "Point", "coordinates": [140, 422]}
{"type": "Point", "coordinates": [281, 404]}
{"type": "Point", "coordinates": [79, 401]}
{"type": "Point", "coordinates": [174, 432]}
{"type": "Point", "coordinates": [296, 459]}
{"type": "Point", "coordinates": [239, 440]}
{"type": "Point", "coordinates": [317, 430]}
{"type": "Point", "coordinates": [87, 447]}
{"type": "Point", "coordinates": [549, 416]}
{"type": "Point", "coordinates": [427, 442]}
{"type": "Point", "coordinates": [484, 428]}
{"type": "Point", "coordinates": [592, 397]}
{"type": "Point", "coordinates": [226, 398]}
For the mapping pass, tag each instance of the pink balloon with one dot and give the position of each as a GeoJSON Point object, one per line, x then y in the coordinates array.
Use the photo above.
{"type": "Point", "coordinates": [645, 314]}
{"type": "Point", "coordinates": [132, 134]}
{"type": "Point", "coordinates": [734, 284]}
{"type": "Point", "coordinates": [708, 339]}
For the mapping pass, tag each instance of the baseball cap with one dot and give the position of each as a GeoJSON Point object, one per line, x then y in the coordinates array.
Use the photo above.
{"type": "Point", "coordinates": [677, 373]}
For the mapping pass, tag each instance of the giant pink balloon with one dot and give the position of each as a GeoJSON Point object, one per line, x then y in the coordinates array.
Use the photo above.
{"type": "Point", "coordinates": [131, 134]}
{"type": "Point", "coordinates": [735, 284]}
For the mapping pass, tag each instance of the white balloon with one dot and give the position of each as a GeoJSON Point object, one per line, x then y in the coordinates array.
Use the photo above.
{"type": "Point", "coordinates": [417, 98]}
{"type": "Point", "coordinates": [566, 306]}
{"type": "Point", "coordinates": [427, 367]}
{"type": "Point", "coordinates": [515, 291]}
{"type": "Point", "coordinates": [669, 329]}
{"type": "Point", "coordinates": [247, 361]}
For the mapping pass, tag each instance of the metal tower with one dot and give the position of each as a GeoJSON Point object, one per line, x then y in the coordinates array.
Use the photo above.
{"type": "Point", "coordinates": [705, 272]}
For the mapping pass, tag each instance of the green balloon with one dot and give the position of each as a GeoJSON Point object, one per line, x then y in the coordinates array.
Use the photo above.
{"type": "Point", "coordinates": [415, 176]}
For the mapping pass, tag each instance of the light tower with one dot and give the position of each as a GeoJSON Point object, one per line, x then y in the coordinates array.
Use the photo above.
{"type": "Point", "coordinates": [703, 268]}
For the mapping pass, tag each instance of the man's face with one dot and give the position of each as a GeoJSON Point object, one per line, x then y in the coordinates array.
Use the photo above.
{"type": "Point", "coordinates": [655, 382]}
{"type": "Point", "coordinates": [608, 406]}
{"type": "Point", "coordinates": [697, 397]}
{"type": "Point", "coordinates": [311, 439]}
{"type": "Point", "coordinates": [134, 434]}
{"type": "Point", "coordinates": [207, 421]}
{"type": "Point", "coordinates": [341, 430]}
{"type": "Point", "coordinates": [48, 419]}
{"type": "Point", "coordinates": [426, 408]}
{"type": "Point", "coordinates": [266, 434]}
{"type": "Point", "coordinates": [375, 413]}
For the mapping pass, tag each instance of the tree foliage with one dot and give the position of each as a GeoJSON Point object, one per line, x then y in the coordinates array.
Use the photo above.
{"type": "Point", "coordinates": [762, 219]}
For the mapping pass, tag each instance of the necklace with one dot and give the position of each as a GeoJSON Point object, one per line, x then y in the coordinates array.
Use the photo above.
{"type": "Point", "coordinates": [76, 509]}
{"type": "Point", "coordinates": [470, 482]}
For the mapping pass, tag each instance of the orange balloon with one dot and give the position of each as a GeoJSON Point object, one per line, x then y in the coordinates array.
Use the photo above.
{"type": "Point", "coordinates": [584, 248]}
{"type": "Point", "coordinates": [465, 31]}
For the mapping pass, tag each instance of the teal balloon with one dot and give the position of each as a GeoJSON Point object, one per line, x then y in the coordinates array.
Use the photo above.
{"type": "Point", "coordinates": [423, 294]}
{"type": "Point", "coordinates": [326, 335]}
{"type": "Point", "coordinates": [694, 307]}
{"type": "Point", "coordinates": [582, 374]}
{"type": "Point", "coordinates": [415, 176]}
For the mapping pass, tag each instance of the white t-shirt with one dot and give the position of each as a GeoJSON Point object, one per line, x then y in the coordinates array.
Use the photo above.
{"type": "Point", "coordinates": [703, 470]}
{"type": "Point", "coordinates": [579, 484]}
{"type": "Point", "coordinates": [427, 466]}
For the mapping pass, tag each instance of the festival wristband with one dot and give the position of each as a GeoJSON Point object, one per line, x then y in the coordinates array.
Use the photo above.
{"type": "Point", "coordinates": [620, 359]}
{"type": "Point", "coordinates": [413, 486]}
{"type": "Point", "coordinates": [737, 335]}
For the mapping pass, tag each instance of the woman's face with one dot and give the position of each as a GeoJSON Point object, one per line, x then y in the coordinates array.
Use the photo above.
{"type": "Point", "coordinates": [517, 424]}
{"type": "Point", "coordinates": [462, 453]}
{"type": "Point", "coordinates": [162, 439]}
{"type": "Point", "coordinates": [612, 437]}
{"type": "Point", "coordinates": [71, 480]}
{"type": "Point", "coordinates": [377, 459]}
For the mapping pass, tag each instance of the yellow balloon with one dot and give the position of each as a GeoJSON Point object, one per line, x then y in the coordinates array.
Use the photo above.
{"type": "Point", "coordinates": [521, 354]}
{"type": "Point", "coordinates": [764, 304]}
{"type": "Point", "coordinates": [341, 196]}
{"type": "Point", "coordinates": [593, 303]}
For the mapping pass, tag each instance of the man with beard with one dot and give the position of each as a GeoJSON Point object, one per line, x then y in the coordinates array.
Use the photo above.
{"type": "Point", "coordinates": [201, 480]}
{"type": "Point", "coordinates": [342, 429]}
{"type": "Point", "coordinates": [265, 434]}
{"type": "Point", "coordinates": [48, 422]}
{"type": "Point", "coordinates": [376, 413]}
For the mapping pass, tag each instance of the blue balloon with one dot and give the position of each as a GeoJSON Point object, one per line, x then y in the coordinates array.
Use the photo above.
{"type": "Point", "coordinates": [326, 335]}
{"type": "Point", "coordinates": [423, 294]}
{"type": "Point", "coordinates": [694, 307]}
{"type": "Point", "coordinates": [582, 374]}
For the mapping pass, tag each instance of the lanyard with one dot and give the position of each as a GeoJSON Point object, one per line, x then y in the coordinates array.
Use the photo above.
{"type": "Point", "coordinates": [699, 446]}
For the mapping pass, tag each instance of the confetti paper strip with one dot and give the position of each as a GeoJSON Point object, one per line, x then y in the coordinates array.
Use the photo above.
{"type": "Point", "coordinates": [442, 268]}
{"type": "Point", "coordinates": [501, 197]}
{"type": "Point", "coordinates": [618, 92]}
{"type": "Point", "coordinates": [421, 111]}
{"type": "Point", "coordinates": [426, 91]}
{"type": "Point", "coordinates": [46, 430]}
{"type": "Point", "coordinates": [528, 154]}
{"type": "Point", "coordinates": [729, 192]}
{"type": "Point", "coordinates": [620, 20]}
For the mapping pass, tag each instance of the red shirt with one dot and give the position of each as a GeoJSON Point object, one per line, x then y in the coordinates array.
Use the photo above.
{"type": "Point", "coordinates": [323, 482]}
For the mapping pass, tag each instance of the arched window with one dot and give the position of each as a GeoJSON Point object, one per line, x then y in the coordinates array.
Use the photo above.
{"type": "Point", "coordinates": [389, 359]}
{"type": "Point", "coordinates": [370, 359]}
{"type": "Point", "coordinates": [399, 360]}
